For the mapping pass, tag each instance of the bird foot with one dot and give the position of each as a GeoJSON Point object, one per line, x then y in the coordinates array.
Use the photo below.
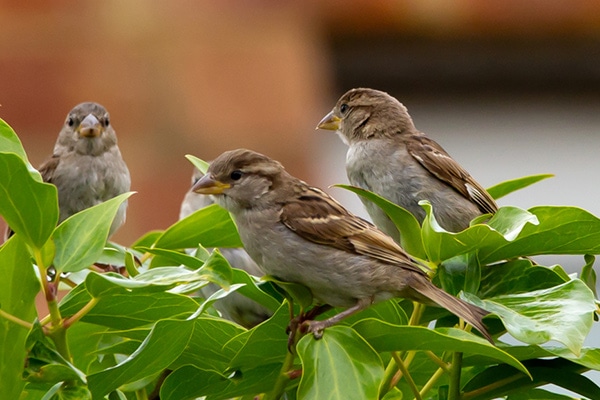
{"type": "Point", "coordinates": [315, 327]}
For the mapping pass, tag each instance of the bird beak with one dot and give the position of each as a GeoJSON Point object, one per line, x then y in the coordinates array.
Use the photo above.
{"type": "Point", "coordinates": [208, 185]}
{"type": "Point", "coordinates": [330, 122]}
{"type": "Point", "coordinates": [90, 127]}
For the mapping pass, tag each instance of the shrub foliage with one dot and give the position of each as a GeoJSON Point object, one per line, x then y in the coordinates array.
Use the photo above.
{"type": "Point", "coordinates": [145, 332]}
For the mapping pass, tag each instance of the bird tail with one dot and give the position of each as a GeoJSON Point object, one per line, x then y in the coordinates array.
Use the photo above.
{"type": "Point", "coordinates": [468, 312]}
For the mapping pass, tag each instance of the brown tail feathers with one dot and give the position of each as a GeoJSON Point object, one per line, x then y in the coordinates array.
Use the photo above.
{"type": "Point", "coordinates": [469, 312]}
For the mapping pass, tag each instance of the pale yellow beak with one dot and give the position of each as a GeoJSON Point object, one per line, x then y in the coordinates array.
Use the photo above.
{"type": "Point", "coordinates": [90, 127]}
{"type": "Point", "coordinates": [331, 122]}
{"type": "Point", "coordinates": [208, 185]}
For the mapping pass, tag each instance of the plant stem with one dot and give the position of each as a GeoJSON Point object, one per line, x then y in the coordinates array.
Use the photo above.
{"type": "Point", "coordinates": [282, 379]}
{"type": "Point", "coordinates": [438, 361]}
{"type": "Point", "coordinates": [455, 370]}
{"type": "Point", "coordinates": [404, 370]}
{"type": "Point", "coordinates": [390, 378]}
{"type": "Point", "coordinates": [80, 314]}
{"type": "Point", "coordinates": [434, 378]}
{"type": "Point", "coordinates": [490, 387]}
{"type": "Point", "coordinates": [15, 320]}
{"type": "Point", "coordinates": [141, 394]}
{"type": "Point", "coordinates": [57, 332]}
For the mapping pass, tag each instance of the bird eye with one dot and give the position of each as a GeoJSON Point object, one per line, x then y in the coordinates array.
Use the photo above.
{"type": "Point", "coordinates": [70, 121]}
{"type": "Point", "coordinates": [236, 175]}
{"type": "Point", "coordinates": [106, 121]}
{"type": "Point", "coordinates": [343, 108]}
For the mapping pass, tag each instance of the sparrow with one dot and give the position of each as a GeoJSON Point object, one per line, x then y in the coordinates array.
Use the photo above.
{"type": "Point", "coordinates": [235, 307]}
{"type": "Point", "coordinates": [297, 233]}
{"type": "Point", "coordinates": [86, 166]}
{"type": "Point", "coordinates": [389, 156]}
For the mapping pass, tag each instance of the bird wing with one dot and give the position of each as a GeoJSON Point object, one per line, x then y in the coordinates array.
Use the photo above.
{"type": "Point", "coordinates": [48, 168]}
{"type": "Point", "coordinates": [435, 159]}
{"type": "Point", "coordinates": [316, 217]}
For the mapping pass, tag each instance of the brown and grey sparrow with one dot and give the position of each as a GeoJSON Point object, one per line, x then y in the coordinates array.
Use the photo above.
{"type": "Point", "coordinates": [234, 307]}
{"type": "Point", "coordinates": [300, 234]}
{"type": "Point", "coordinates": [86, 166]}
{"type": "Point", "coordinates": [389, 156]}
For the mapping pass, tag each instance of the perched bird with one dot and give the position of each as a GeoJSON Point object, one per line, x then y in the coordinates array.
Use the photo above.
{"type": "Point", "coordinates": [299, 234]}
{"type": "Point", "coordinates": [387, 155]}
{"type": "Point", "coordinates": [86, 166]}
{"type": "Point", "coordinates": [235, 307]}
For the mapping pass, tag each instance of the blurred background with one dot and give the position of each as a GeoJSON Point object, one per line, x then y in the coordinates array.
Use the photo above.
{"type": "Point", "coordinates": [508, 87]}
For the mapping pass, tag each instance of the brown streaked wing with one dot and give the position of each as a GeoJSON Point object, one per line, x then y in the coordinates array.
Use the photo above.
{"type": "Point", "coordinates": [48, 167]}
{"type": "Point", "coordinates": [318, 218]}
{"type": "Point", "coordinates": [437, 161]}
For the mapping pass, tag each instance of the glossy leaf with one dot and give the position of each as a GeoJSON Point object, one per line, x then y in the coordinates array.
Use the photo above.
{"type": "Point", "coordinates": [563, 313]}
{"type": "Point", "coordinates": [262, 345]}
{"type": "Point", "coordinates": [189, 382]}
{"type": "Point", "coordinates": [201, 165]}
{"type": "Point", "coordinates": [80, 239]}
{"type": "Point", "coordinates": [161, 347]}
{"type": "Point", "coordinates": [588, 275]}
{"type": "Point", "coordinates": [210, 226]}
{"type": "Point", "coordinates": [506, 187]}
{"type": "Point", "coordinates": [125, 306]}
{"type": "Point", "coordinates": [385, 337]}
{"type": "Point", "coordinates": [561, 230]}
{"type": "Point", "coordinates": [28, 206]}
{"type": "Point", "coordinates": [294, 292]}
{"type": "Point", "coordinates": [340, 365]}
{"type": "Point", "coordinates": [517, 276]}
{"type": "Point", "coordinates": [18, 288]}
{"type": "Point", "coordinates": [499, 380]}
{"type": "Point", "coordinates": [10, 143]}
{"type": "Point", "coordinates": [208, 346]}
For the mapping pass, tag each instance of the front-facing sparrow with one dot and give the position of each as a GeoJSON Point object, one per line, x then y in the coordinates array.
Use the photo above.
{"type": "Point", "coordinates": [86, 166]}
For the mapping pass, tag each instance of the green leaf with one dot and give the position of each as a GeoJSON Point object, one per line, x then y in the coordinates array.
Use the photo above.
{"type": "Point", "coordinates": [198, 163]}
{"type": "Point", "coordinates": [563, 313]}
{"type": "Point", "coordinates": [561, 230]}
{"type": "Point", "coordinates": [29, 207]}
{"type": "Point", "coordinates": [189, 382]}
{"type": "Point", "coordinates": [219, 294]}
{"type": "Point", "coordinates": [18, 288]}
{"type": "Point", "coordinates": [460, 273]}
{"type": "Point", "coordinates": [517, 276]}
{"type": "Point", "coordinates": [10, 143]}
{"type": "Point", "coordinates": [538, 394]}
{"type": "Point", "coordinates": [162, 346]}
{"type": "Point", "coordinates": [506, 187]}
{"type": "Point", "coordinates": [207, 348]}
{"type": "Point", "coordinates": [588, 275]}
{"type": "Point", "coordinates": [407, 224]}
{"type": "Point", "coordinates": [252, 289]}
{"type": "Point", "coordinates": [45, 364]}
{"type": "Point", "coordinates": [84, 341]}
{"type": "Point", "coordinates": [125, 307]}
{"type": "Point", "coordinates": [80, 239]}
{"type": "Point", "coordinates": [210, 226]}
{"type": "Point", "coordinates": [498, 381]}
{"type": "Point", "coordinates": [294, 292]}
{"type": "Point", "coordinates": [341, 365]}
{"type": "Point", "coordinates": [264, 344]}
{"type": "Point", "coordinates": [175, 257]}
{"type": "Point", "coordinates": [384, 336]}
